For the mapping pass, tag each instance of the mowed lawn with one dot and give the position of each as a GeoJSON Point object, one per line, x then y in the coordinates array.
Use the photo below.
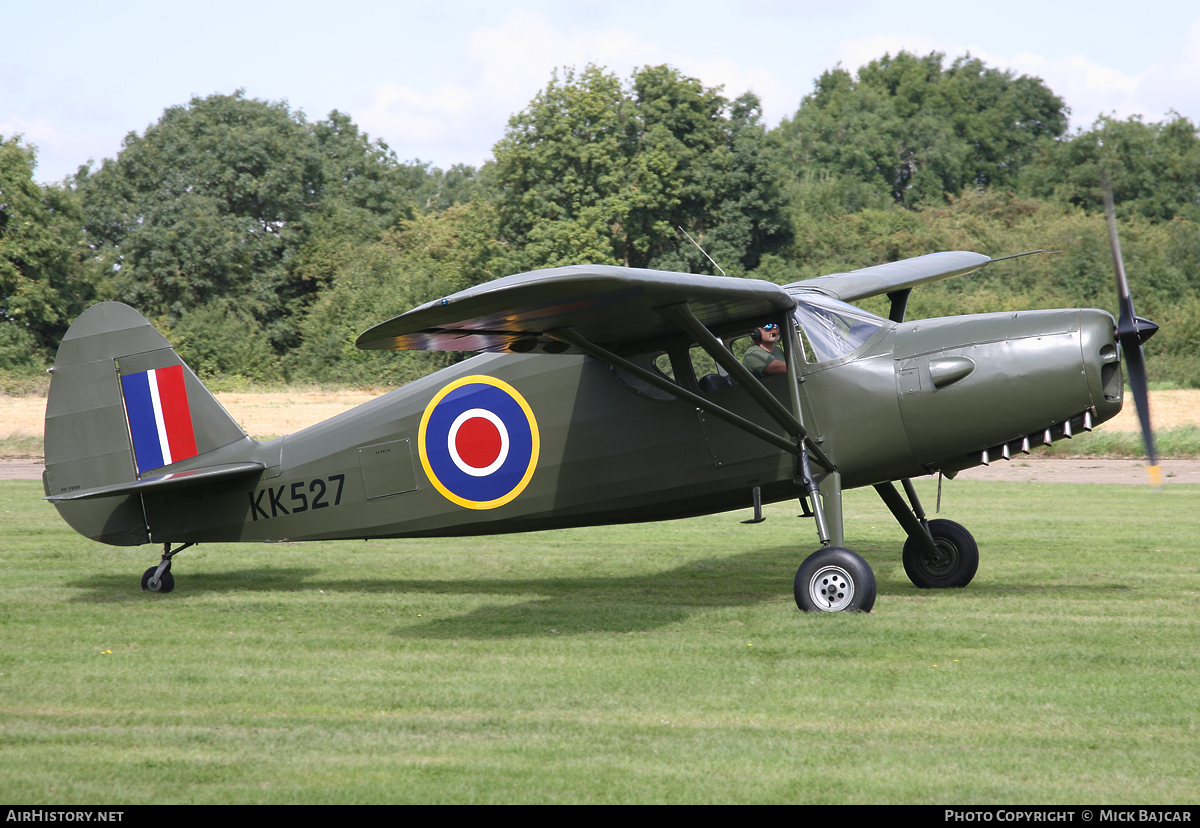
{"type": "Point", "coordinates": [654, 663]}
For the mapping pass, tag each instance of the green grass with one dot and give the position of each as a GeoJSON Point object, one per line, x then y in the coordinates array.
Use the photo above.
{"type": "Point", "coordinates": [656, 663]}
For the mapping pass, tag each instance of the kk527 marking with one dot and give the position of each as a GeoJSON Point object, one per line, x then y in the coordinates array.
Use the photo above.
{"type": "Point", "coordinates": [300, 497]}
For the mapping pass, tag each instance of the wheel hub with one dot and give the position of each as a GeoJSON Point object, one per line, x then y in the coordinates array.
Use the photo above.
{"type": "Point", "coordinates": [831, 588]}
{"type": "Point", "coordinates": [942, 562]}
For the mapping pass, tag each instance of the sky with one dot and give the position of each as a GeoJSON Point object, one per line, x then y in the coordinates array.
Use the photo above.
{"type": "Point", "coordinates": [437, 80]}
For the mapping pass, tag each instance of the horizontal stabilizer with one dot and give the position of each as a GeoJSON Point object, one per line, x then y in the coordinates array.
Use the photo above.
{"type": "Point", "coordinates": [894, 276]}
{"type": "Point", "coordinates": [610, 306]}
{"type": "Point", "coordinates": [177, 480]}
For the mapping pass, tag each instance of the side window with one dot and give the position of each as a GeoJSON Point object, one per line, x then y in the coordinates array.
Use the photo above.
{"type": "Point", "coordinates": [810, 356]}
{"type": "Point", "coordinates": [740, 345]}
{"type": "Point", "coordinates": [656, 363]}
{"type": "Point", "coordinates": [663, 363]}
{"type": "Point", "coordinates": [709, 375]}
{"type": "Point", "coordinates": [702, 364]}
{"type": "Point", "coordinates": [832, 329]}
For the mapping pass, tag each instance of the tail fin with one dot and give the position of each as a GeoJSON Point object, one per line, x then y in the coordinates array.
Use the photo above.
{"type": "Point", "coordinates": [122, 406]}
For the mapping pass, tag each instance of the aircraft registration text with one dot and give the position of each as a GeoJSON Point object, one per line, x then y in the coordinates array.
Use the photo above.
{"type": "Point", "coordinates": [299, 497]}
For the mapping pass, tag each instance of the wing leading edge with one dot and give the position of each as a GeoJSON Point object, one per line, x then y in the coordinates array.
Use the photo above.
{"type": "Point", "coordinates": [894, 276]}
{"type": "Point", "coordinates": [610, 306]}
{"type": "Point", "coordinates": [617, 307]}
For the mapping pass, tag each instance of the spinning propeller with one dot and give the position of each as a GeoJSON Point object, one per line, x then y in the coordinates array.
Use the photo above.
{"type": "Point", "coordinates": [1132, 331]}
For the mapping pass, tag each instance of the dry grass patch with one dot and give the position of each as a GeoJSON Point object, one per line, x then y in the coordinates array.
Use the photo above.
{"type": "Point", "coordinates": [270, 415]}
{"type": "Point", "coordinates": [1168, 409]}
{"type": "Point", "coordinates": [264, 415]}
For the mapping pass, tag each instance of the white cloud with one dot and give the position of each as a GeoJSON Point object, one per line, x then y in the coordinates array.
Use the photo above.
{"type": "Point", "coordinates": [1089, 88]}
{"type": "Point", "coordinates": [856, 52]}
{"type": "Point", "coordinates": [1092, 89]}
{"type": "Point", "coordinates": [403, 115]}
{"type": "Point", "coordinates": [779, 98]}
{"type": "Point", "coordinates": [1174, 82]}
{"type": "Point", "coordinates": [57, 149]}
{"type": "Point", "coordinates": [504, 67]}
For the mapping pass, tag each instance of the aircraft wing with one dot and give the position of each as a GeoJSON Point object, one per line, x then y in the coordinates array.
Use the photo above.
{"type": "Point", "coordinates": [609, 306]}
{"type": "Point", "coordinates": [894, 276]}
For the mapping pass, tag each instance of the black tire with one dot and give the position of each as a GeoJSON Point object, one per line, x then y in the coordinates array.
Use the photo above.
{"type": "Point", "coordinates": [955, 565]}
{"type": "Point", "coordinates": [835, 580]}
{"type": "Point", "coordinates": [166, 581]}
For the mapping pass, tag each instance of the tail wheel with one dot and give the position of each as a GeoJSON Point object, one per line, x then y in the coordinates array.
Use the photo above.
{"type": "Point", "coordinates": [954, 563]}
{"type": "Point", "coordinates": [166, 581]}
{"type": "Point", "coordinates": [835, 580]}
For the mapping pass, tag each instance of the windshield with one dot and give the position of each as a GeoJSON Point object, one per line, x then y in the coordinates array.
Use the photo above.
{"type": "Point", "coordinates": [834, 328]}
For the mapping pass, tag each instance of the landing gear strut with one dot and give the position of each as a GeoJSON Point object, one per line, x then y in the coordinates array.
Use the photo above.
{"type": "Point", "coordinates": [939, 554]}
{"type": "Point", "coordinates": [832, 579]}
{"type": "Point", "coordinates": [159, 578]}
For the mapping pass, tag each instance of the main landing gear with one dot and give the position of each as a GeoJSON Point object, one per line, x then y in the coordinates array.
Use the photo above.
{"type": "Point", "coordinates": [952, 562]}
{"type": "Point", "coordinates": [159, 578]}
{"type": "Point", "coordinates": [832, 579]}
{"type": "Point", "coordinates": [939, 554]}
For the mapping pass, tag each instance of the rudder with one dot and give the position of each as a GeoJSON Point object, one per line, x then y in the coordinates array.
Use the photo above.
{"type": "Point", "coordinates": [122, 404]}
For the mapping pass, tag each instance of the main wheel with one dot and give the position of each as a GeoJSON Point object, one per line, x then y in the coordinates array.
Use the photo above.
{"type": "Point", "coordinates": [166, 581]}
{"type": "Point", "coordinates": [835, 580]}
{"type": "Point", "coordinates": [954, 564]}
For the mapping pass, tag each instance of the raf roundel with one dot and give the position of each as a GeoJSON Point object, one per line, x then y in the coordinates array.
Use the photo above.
{"type": "Point", "coordinates": [479, 442]}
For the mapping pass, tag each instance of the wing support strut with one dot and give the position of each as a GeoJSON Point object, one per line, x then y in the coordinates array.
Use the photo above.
{"type": "Point", "coordinates": [572, 337]}
{"type": "Point", "coordinates": [822, 511]}
{"type": "Point", "coordinates": [682, 314]}
{"type": "Point", "coordinates": [800, 445]}
{"type": "Point", "coordinates": [790, 420]}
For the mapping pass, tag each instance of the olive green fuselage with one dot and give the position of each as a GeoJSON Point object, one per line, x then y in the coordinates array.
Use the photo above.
{"type": "Point", "coordinates": [916, 398]}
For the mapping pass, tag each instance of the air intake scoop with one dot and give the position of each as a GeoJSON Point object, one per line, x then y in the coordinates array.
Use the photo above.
{"type": "Point", "coordinates": [949, 370]}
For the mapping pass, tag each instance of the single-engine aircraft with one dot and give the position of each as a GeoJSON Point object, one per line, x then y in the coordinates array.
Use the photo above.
{"type": "Point", "coordinates": [602, 395]}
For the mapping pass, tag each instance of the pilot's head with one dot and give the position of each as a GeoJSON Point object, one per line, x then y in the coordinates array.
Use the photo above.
{"type": "Point", "coordinates": [765, 333]}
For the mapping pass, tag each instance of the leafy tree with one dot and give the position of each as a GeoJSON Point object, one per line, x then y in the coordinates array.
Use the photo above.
{"type": "Point", "coordinates": [220, 340]}
{"type": "Point", "coordinates": [208, 203]}
{"type": "Point", "coordinates": [1154, 168]}
{"type": "Point", "coordinates": [593, 171]}
{"type": "Point", "coordinates": [219, 199]}
{"type": "Point", "coordinates": [44, 279]}
{"type": "Point", "coordinates": [430, 256]}
{"type": "Point", "coordinates": [913, 130]}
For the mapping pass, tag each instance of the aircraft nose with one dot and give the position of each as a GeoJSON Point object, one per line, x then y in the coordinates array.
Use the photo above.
{"type": "Point", "coordinates": [1101, 362]}
{"type": "Point", "coordinates": [1037, 376]}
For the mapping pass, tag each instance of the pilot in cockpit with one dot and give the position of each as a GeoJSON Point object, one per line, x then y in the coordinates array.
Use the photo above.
{"type": "Point", "coordinates": [765, 358]}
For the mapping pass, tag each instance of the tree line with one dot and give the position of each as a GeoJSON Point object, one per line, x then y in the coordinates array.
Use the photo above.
{"type": "Point", "coordinates": [261, 243]}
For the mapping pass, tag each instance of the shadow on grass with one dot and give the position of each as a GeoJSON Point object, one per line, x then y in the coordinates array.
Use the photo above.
{"type": "Point", "coordinates": [523, 606]}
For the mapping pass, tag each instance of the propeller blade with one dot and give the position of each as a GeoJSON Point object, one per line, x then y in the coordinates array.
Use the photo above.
{"type": "Point", "coordinates": [1131, 332]}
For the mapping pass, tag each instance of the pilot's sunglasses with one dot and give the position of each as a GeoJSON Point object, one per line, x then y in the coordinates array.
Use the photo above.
{"type": "Point", "coordinates": [771, 327]}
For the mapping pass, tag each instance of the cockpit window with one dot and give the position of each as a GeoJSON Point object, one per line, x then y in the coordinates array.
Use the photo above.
{"type": "Point", "coordinates": [834, 328]}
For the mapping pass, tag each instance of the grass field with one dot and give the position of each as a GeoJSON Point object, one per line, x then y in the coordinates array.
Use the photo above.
{"type": "Point", "coordinates": [655, 663]}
